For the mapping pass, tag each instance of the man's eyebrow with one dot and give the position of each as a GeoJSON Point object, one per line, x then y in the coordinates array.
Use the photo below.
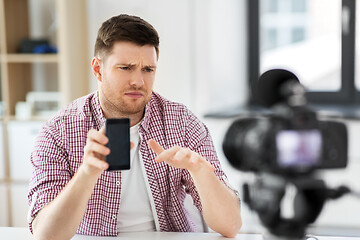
{"type": "Point", "coordinates": [126, 64]}
{"type": "Point", "coordinates": [150, 66]}
{"type": "Point", "coordinates": [130, 65]}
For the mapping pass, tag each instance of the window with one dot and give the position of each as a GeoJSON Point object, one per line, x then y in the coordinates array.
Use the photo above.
{"type": "Point", "coordinates": [272, 6]}
{"type": "Point", "coordinates": [297, 34]}
{"type": "Point", "coordinates": [299, 5]}
{"type": "Point", "coordinates": [313, 39]}
{"type": "Point", "coordinates": [271, 39]}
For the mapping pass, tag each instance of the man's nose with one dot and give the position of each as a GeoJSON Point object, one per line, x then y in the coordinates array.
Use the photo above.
{"type": "Point", "coordinates": [137, 79]}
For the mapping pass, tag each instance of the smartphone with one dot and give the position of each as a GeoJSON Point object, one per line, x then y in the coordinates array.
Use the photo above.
{"type": "Point", "coordinates": [118, 132]}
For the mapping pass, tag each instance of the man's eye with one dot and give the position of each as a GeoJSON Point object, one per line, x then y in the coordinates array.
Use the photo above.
{"type": "Point", "coordinates": [148, 70]}
{"type": "Point", "coordinates": [124, 68]}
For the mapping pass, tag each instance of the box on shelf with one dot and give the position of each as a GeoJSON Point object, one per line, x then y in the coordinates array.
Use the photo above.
{"type": "Point", "coordinates": [21, 137]}
{"type": "Point", "coordinates": [37, 104]}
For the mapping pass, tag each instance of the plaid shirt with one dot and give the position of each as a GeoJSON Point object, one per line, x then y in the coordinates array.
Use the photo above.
{"type": "Point", "coordinates": [59, 151]}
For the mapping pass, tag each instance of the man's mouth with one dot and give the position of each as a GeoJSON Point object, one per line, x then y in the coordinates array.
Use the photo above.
{"type": "Point", "coordinates": [134, 94]}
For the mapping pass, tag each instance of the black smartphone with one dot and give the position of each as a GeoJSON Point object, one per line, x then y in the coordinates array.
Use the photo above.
{"type": "Point", "coordinates": [118, 132]}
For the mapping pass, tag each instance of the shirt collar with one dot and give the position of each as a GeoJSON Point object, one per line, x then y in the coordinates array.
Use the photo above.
{"type": "Point", "coordinates": [97, 111]}
{"type": "Point", "coordinates": [149, 111]}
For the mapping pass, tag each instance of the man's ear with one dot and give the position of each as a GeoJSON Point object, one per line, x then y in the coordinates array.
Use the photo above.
{"type": "Point", "coordinates": [96, 68]}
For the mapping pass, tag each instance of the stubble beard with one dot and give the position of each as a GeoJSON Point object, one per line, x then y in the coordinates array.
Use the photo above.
{"type": "Point", "coordinates": [125, 108]}
{"type": "Point", "coordinates": [129, 108]}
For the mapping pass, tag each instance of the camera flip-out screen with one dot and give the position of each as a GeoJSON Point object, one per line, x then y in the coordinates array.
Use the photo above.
{"type": "Point", "coordinates": [298, 148]}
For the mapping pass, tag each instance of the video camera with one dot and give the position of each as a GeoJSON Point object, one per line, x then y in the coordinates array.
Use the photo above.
{"type": "Point", "coordinates": [285, 148]}
{"type": "Point", "coordinates": [290, 140]}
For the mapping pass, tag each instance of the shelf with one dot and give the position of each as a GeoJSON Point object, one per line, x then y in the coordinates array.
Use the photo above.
{"type": "Point", "coordinates": [30, 58]}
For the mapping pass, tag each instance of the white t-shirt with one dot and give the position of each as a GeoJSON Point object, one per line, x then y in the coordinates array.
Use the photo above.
{"type": "Point", "coordinates": [135, 212]}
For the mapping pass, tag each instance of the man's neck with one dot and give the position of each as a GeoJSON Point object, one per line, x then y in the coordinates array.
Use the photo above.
{"type": "Point", "coordinates": [134, 118]}
{"type": "Point", "coordinates": [111, 111]}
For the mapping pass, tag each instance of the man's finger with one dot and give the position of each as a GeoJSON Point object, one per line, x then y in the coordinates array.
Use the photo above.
{"type": "Point", "coordinates": [168, 154]}
{"type": "Point", "coordinates": [97, 148]}
{"type": "Point", "coordinates": [95, 162]}
{"type": "Point", "coordinates": [156, 147]}
{"type": "Point", "coordinates": [97, 136]}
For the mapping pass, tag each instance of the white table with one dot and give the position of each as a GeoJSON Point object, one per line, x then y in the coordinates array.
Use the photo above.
{"type": "Point", "coordinates": [8, 233]}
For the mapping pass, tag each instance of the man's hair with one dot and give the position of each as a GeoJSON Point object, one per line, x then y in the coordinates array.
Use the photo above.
{"type": "Point", "coordinates": [125, 28]}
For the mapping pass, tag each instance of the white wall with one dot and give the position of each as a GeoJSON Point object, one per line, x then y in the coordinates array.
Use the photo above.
{"type": "Point", "coordinates": [220, 53]}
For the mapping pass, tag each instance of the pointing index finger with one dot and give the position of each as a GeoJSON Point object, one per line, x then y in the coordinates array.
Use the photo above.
{"type": "Point", "coordinates": [156, 147]}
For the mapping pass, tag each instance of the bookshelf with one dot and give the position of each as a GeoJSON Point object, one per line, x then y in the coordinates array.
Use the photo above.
{"type": "Point", "coordinates": [64, 73]}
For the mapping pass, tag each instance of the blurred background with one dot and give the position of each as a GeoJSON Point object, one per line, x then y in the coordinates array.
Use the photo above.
{"type": "Point", "coordinates": [211, 54]}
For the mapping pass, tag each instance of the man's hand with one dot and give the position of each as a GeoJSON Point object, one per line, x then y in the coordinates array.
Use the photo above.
{"type": "Point", "coordinates": [179, 157]}
{"type": "Point", "coordinates": [95, 152]}
{"type": "Point", "coordinates": [221, 207]}
{"type": "Point", "coordinates": [68, 208]}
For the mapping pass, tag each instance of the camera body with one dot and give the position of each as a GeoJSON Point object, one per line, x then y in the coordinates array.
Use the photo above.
{"type": "Point", "coordinates": [290, 140]}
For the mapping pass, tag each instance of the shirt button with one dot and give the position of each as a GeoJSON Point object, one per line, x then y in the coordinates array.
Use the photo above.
{"type": "Point", "coordinates": [117, 183]}
{"type": "Point", "coordinates": [113, 217]}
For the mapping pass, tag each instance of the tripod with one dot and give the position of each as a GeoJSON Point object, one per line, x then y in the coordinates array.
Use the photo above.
{"type": "Point", "coordinates": [266, 194]}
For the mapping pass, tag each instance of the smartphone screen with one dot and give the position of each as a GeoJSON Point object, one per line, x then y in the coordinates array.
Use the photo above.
{"type": "Point", "coordinates": [118, 132]}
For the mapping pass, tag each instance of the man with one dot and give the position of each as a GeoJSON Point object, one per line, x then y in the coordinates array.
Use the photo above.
{"type": "Point", "coordinates": [172, 152]}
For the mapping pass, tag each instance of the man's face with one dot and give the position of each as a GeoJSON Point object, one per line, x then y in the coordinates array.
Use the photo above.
{"type": "Point", "coordinates": [126, 77]}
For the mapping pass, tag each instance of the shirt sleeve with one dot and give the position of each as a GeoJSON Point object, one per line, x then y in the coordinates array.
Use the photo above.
{"type": "Point", "coordinates": [200, 141]}
{"type": "Point", "coordinates": [51, 170]}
